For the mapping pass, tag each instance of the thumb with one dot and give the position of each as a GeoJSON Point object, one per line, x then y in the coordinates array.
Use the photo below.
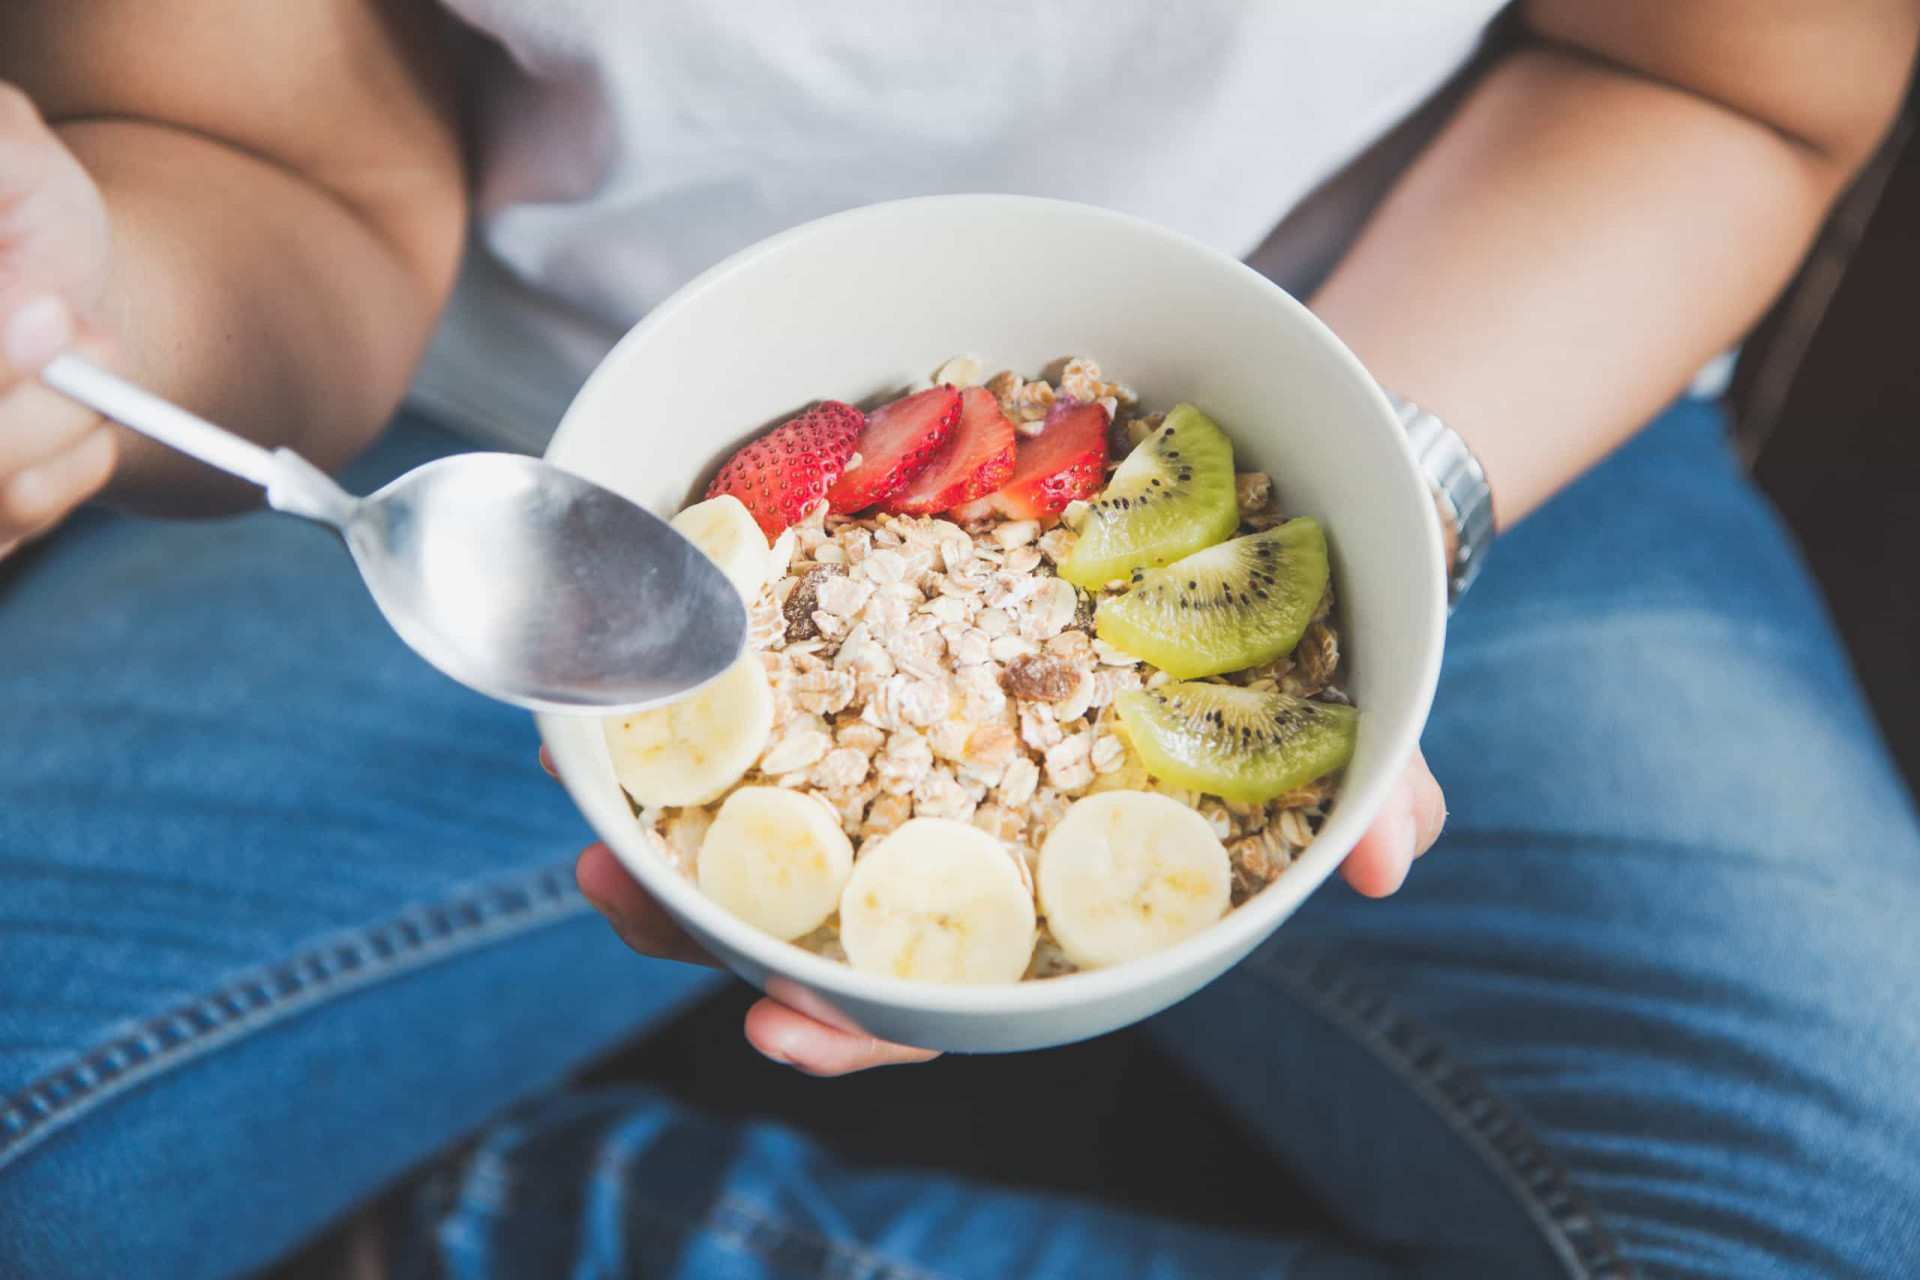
{"type": "Point", "coordinates": [35, 331]}
{"type": "Point", "coordinates": [53, 240]}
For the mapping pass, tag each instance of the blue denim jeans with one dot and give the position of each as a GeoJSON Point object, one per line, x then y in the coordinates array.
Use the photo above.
{"type": "Point", "coordinates": [283, 913]}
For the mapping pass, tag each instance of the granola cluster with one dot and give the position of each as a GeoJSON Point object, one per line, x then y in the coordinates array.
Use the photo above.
{"type": "Point", "coordinates": [925, 669]}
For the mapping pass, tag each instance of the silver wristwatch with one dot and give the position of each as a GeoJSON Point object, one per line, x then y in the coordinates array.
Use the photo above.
{"type": "Point", "coordinates": [1460, 492]}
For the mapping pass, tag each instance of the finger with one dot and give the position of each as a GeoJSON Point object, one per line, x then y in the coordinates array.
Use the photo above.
{"type": "Point", "coordinates": [546, 762]}
{"type": "Point", "coordinates": [634, 915]}
{"type": "Point", "coordinates": [1378, 865]}
{"type": "Point", "coordinates": [33, 499]}
{"type": "Point", "coordinates": [796, 1040]}
{"type": "Point", "coordinates": [37, 422]}
{"type": "Point", "coordinates": [34, 332]}
{"type": "Point", "coordinates": [1429, 806]}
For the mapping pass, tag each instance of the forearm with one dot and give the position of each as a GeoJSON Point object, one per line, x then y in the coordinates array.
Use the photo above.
{"type": "Point", "coordinates": [249, 295]}
{"type": "Point", "coordinates": [286, 198]}
{"type": "Point", "coordinates": [1571, 249]}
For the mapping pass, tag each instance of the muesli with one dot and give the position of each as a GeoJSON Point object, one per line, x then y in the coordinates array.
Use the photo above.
{"type": "Point", "coordinates": [1038, 682]}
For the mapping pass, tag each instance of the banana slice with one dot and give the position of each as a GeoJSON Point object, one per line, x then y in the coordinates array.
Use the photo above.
{"type": "Point", "coordinates": [1128, 873]}
{"type": "Point", "coordinates": [776, 859]}
{"type": "Point", "coordinates": [938, 901]}
{"type": "Point", "coordinates": [690, 751]}
{"type": "Point", "coordinates": [724, 529]}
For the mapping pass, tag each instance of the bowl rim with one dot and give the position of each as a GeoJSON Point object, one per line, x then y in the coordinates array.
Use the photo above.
{"type": "Point", "coordinates": [1241, 928]}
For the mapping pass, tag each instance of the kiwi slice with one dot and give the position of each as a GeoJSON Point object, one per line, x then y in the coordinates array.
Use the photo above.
{"type": "Point", "coordinates": [1172, 496]}
{"type": "Point", "coordinates": [1238, 744]}
{"type": "Point", "coordinates": [1232, 606]}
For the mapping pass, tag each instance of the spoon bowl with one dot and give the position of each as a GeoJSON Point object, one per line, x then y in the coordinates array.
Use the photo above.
{"type": "Point", "coordinates": [542, 589]}
{"type": "Point", "coordinates": [519, 579]}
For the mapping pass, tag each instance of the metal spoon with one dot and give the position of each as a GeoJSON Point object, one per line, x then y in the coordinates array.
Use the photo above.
{"type": "Point", "coordinates": [520, 580]}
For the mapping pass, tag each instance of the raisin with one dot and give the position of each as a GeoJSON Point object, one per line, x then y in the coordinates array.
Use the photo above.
{"type": "Point", "coordinates": [804, 599]}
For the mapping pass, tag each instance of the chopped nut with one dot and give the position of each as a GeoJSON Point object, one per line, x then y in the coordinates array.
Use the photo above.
{"type": "Point", "coordinates": [1317, 655]}
{"type": "Point", "coordinates": [1031, 402]}
{"type": "Point", "coordinates": [1252, 490]}
{"type": "Point", "coordinates": [1040, 677]}
{"type": "Point", "coordinates": [1081, 380]}
{"type": "Point", "coordinates": [1005, 386]}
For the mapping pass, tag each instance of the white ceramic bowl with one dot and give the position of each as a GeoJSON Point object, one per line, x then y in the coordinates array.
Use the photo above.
{"type": "Point", "coordinates": [863, 303]}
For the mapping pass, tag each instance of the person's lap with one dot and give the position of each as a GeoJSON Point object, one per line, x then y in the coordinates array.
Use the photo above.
{"type": "Point", "coordinates": [1648, 998]}
{"type": "Point", "coordinates": [1658, 973]}
{"type": "Point", "coordinates": [281, 910]}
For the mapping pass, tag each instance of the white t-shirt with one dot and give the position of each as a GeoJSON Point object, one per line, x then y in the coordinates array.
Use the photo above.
{"type": "Point", "coordinates": [623, 146]}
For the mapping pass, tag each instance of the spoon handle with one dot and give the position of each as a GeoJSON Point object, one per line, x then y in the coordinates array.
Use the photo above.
{"type": "Point", "coordinates": [293, 484]}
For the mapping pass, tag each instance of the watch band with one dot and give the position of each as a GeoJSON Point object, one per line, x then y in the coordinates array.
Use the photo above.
{"type": "Point", "coordinates": [1460, 492]}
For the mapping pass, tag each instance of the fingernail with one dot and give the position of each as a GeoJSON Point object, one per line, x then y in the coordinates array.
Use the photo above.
{"type": "Point", "coordinates": [39, 330]}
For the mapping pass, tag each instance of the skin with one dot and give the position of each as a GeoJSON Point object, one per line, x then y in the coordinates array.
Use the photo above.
{"type": "Point", "coordinates": [189, 187]}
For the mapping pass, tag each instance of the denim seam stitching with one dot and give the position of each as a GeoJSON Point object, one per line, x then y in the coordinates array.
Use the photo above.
{"type": "Point", "coordinates": [272, 992]}
{"type": "Point", "coordinates": [741, 1223]}
{"type": "Point", "coordinates": [1488, 1124]}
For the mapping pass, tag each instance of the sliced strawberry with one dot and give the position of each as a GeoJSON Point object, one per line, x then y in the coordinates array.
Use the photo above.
{"type": "Point", "coordinates": [782, 474]}
{"type": "Point", "coordinates": [976, 459]}
{"type": "Point", "coordinates": [1065, 462]}
{"type": "Point", "coordinates": [900, 439]}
